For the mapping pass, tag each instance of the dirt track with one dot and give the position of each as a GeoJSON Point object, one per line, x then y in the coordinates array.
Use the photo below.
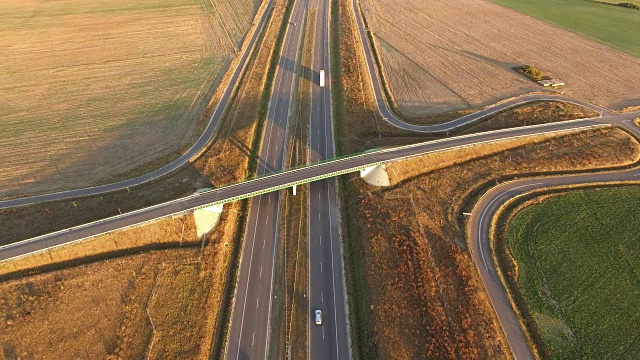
{"type": "Point", "coordinates": [454, 55]}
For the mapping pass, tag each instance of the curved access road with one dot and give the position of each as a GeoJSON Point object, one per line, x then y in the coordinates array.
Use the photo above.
{"type": "Point", "coordinates": [480, 222]}
{"type": "Point", "coordinates": [389, 116]}
{"type": "Point", "coordinates": [196, 148]}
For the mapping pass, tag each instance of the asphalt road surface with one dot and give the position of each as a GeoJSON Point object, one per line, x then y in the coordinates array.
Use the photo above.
{"type": "Point", "coordinates": [487, 206]}
{"type": "Point", "coordinates": [288, 178]}
{"type": "Point", "coordinates": [326, 290]}
{"type": "Point", "coordinates": [250, 322]}
{"type": "Point", "coordinates": [251, 338]}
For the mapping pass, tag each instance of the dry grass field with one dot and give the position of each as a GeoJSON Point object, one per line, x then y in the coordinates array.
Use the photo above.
{"type": "Point", "coordinates": [92, 90]}
{"type": "Point", "coordinates": [416, 291]}
{"type": "Point", "coordinates": [413, 289]}
{"type": "Point", "coordinates": [454, 55]}
{"type": "Point", "coordinates": [106, 298]}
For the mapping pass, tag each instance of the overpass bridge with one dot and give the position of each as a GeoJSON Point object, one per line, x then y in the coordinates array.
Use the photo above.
{"type": "Point", "coordinates": [286, 179]}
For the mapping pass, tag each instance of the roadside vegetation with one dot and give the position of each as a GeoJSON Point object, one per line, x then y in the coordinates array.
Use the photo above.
{"type": "Point", "coordinates": [94, 91]}
{"type": "Point", "coordinates": [196, 282]}
{"type": "Point", "coordinates": [415, 290]}
{"type": "Point", "coordinates": [531, 72]}
{"type": "Point", "coordinates": [116, 296]}
{"type": "Point", "coordinates": [572, 261]}
{"type": "Point", "coordinates": [615, 26]}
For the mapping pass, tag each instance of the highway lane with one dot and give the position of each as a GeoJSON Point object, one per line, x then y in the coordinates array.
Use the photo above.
{"type": "Point", "coordinates": [325, 282]}
{"type": "Point", "coordinates": [389, 116]}
{"type": "Point", "coordinates": [288, 178]}
{"type": "Point", "coordinates": [202, 142]}
{"type": "Point", "coordinates": [250, 322]}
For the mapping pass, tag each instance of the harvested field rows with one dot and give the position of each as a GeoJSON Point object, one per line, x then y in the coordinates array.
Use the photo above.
{"type": "Point", "coordinates": [90, 91]}
{"type": "Point", "coordinates": [455, 55]}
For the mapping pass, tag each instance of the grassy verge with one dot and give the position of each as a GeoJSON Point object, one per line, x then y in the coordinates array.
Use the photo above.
{"type": "Point", "coordinates": [133, 294]}
{"type": "Point", "coordinates": [611, 25]}
{"type": "Point", "coordinates": [289, 318]}
{"type": "Point", "coordinates": [572, 259]}
{"type": "Point", "coordinates": [531, 114]}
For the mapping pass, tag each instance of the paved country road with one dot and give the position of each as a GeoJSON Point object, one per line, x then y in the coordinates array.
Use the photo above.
{"type": "Point", "coordinates": [487, 206]}
{"type": "Point", "coordinates": [320, 170]}
{"type": "Point", "coordinates": [389, 116]}
{"type": "Point", "coordinates": [288, 178]}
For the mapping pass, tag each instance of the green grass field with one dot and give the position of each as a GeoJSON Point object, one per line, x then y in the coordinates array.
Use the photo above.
{"type": "Point", "coordinates": [615, 26]}
{"type": "Point", "coordinates": [578, 257]}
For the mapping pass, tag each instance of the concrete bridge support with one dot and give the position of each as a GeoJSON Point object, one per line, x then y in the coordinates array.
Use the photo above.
{"type": "Point", "coordinates": [206, 219]}
{"type": "Point", "coordinates": [375, 175]}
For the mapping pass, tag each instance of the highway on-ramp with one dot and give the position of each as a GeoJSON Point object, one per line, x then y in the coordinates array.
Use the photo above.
{"type": "Point", "coordinates": [443, 128]}
{"type": "Point", "coordinates": [251, 340]}
{"type": "Point", "coordinates": [487, 206]}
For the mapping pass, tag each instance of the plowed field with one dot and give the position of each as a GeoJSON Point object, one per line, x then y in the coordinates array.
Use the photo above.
{"type": "Point", "coordinates": [441, 56]}
{"type": "Point", "coordinates": [92, 90]}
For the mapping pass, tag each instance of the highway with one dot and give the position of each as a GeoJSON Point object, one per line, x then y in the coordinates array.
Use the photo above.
{"type": "Point", "coordinates": [326, 290]}
{"type": "Point", "coordinates": [251, 317]}
{"type": "Point", "coordinates": [249, 334]}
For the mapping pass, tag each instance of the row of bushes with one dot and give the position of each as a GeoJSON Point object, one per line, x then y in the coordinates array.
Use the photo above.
{"type": "Point", "coordinates": [629, 5]}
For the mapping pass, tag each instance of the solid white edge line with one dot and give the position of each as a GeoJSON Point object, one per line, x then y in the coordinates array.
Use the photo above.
{"type": "Point", "coordinates": [244, 305]}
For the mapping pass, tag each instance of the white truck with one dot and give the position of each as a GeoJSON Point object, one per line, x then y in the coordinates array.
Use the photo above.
{"type": "Point", "coordinates": [321, 78]}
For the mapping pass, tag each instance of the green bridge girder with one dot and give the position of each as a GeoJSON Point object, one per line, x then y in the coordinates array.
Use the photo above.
{"type": "Point", "coordinates": [285, 185]}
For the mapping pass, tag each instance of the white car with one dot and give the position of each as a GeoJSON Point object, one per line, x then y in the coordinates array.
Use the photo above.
{"type": "Point", "coordinates": [318, 317]}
